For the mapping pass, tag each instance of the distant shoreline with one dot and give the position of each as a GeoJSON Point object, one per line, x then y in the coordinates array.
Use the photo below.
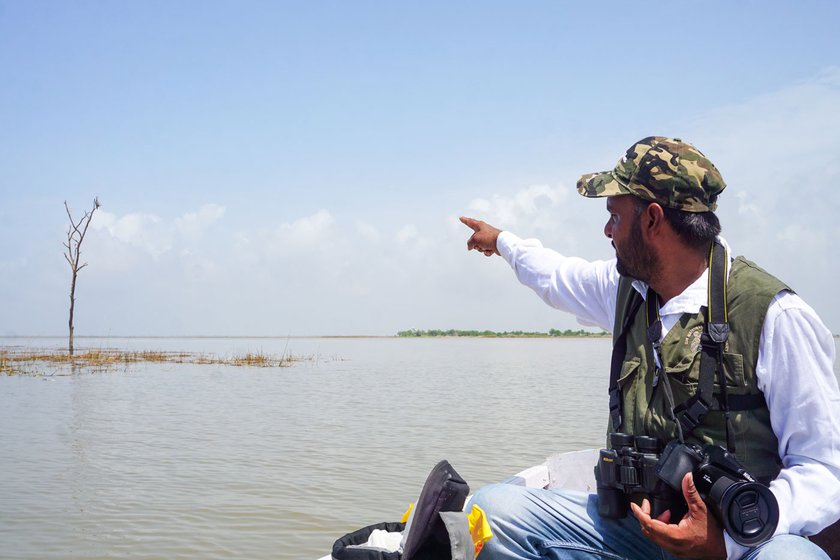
{"type": "Point", "coordinates": [455, 333]}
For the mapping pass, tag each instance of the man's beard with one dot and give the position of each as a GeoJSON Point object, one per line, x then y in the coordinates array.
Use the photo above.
{"type": "Point", "coordinates": [636, 259]}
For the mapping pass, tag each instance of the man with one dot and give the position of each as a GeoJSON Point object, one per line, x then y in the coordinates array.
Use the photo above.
{"type": "Point", "coordinates": [779, 407]}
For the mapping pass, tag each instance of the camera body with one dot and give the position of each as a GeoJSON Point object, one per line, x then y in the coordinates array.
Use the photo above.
{"type": "Point", "coordinates": [746, 508]}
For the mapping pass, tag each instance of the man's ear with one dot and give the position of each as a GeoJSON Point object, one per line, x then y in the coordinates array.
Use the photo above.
{"type": "Point", "coordinates": [653, 220]}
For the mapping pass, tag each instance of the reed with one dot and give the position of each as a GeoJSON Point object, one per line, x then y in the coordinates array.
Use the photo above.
{"type": "Point", "coordinates": [26, 361]}
{"type": "Point", "coordinates": [5, 366]}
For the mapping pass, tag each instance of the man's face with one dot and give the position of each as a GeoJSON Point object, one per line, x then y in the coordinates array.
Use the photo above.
{"type": "Point", "coordinates": [635, 258]}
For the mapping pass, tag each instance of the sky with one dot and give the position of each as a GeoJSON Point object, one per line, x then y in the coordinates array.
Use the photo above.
{"type": "Point", "coordinates": [296, 168]}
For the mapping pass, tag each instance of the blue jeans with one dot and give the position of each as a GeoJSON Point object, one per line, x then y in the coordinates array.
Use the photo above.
{"type": "Point", "coordinates": [532, 523]}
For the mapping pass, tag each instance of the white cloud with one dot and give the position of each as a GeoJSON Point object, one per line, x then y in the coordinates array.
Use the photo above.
{"type": "Point", "coordinates": [796, 233]}
{"type": "Point", "coordinates": [308, 229]}
{"type": "Point", "coordinates": [193, 224]}
{"type": "Point", "coordinates": [747, 206]}
{"type": "Point", "coordinates": [144, 231]}
{"type": "Point", "coordinates": [367, 231]}
{"type": "Point", "coordinates": [407, 234]}
{"type": "Point", "coordinates": [299, 255]}
{"type": "Point", "coordinates": [305, 236]}
{"type": "Point", "coordinates": [557, 216]}
{"type": "Point", "coordinates": [525, 206]}
{"type": "Point", "coordinates": [151, 234]}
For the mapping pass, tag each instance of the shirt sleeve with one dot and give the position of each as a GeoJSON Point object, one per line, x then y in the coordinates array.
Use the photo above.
{"type": "Point", "coordinates": [795, 372]}
{"type": "Point", "coordinates": [585, 289]}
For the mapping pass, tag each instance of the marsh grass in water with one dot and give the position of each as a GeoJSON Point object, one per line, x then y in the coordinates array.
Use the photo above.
{"type": "Point", "coordinates": [35, 361]}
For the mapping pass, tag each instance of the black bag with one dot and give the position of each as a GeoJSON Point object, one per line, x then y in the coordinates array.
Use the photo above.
{"type": "Point", "coordinates": [425, 535]}
{"type": "Point", "coordinates": [343, 547]}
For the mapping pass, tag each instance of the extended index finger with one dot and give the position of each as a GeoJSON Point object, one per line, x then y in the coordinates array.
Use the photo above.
{"type": "Point", "coordinates": [470, 223]}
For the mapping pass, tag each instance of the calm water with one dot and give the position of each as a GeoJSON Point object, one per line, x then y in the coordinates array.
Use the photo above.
{"type": "Point", "coordinates": [189, 461]}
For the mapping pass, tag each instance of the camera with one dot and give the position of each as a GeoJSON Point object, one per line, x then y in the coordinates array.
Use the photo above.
{"type": "Point", "coordinates": [639, 465]}
{"type": "Point", "coordinates": [747, 509]}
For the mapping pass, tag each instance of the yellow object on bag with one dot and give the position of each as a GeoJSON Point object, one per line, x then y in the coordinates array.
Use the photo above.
{"type": "Point", "coordinates": [479, 528]}
{"type": "Point", "coordinates": [407, 514]}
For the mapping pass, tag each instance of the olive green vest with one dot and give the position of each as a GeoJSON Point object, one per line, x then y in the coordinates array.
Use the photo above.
{"type": "Point", "coordinates": [645, 407]}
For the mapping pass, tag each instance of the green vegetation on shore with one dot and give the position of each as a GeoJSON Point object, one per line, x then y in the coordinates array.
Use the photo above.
{"type": "Point", "coordinates": [416, 333]}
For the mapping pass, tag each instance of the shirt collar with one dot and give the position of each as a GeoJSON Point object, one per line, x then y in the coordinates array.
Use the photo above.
{"type": "Point", "coordinates": [695, 296]}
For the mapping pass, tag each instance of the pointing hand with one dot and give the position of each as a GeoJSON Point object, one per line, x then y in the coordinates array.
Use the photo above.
{"type": "Point", "coordinates": [483, 238]}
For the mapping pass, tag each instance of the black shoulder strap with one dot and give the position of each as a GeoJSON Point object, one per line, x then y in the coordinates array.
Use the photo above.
{"type": "Point", "coordinates": [634, 301]}
{"type": "Point", "coordinates": [712, 342]}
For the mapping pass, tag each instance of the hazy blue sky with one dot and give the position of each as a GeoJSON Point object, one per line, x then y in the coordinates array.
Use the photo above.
{"type": "Point", "coordinates": [295, 168]}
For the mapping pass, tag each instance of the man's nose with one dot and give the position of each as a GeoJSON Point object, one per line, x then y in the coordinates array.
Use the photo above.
{"type": "Point", "coordinates": [608, 229]}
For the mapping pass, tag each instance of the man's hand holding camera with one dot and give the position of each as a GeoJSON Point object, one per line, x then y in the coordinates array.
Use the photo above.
{"type": "Point", "coordinates": [698, 534]}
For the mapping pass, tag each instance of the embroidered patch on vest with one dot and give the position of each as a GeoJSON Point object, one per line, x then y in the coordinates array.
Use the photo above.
{"type": "Point", "coordinates": [692, 338]}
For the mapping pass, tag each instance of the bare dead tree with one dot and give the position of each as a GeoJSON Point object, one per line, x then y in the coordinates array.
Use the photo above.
{"type": "Point", "coordinates": [75, 235]}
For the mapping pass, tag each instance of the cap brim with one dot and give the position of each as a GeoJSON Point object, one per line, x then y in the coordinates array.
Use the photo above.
{"type": "Point", "coordinates": [605, 183]}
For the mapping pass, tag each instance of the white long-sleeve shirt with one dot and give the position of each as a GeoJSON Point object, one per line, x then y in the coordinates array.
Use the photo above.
{"type": "Point", "coordinates": [794, 371]}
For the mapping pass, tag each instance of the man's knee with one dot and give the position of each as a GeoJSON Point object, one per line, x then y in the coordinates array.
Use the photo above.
{"type": "Point", "coordinates": [788, 547]}
{"type": "Point", "coordinates": [497, 499]}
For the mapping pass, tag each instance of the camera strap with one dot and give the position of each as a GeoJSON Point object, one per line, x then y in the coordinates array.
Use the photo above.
{"type": "Point", "coordinates": [715, 333]}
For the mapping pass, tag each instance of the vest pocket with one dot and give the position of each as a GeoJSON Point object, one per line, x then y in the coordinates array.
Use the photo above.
{"type": "Point", "coordinates": [630, 391]}
{"type": "Point", "coordinates": [687, 374]}
{"type": "Point", "coordinates": [629, 369]}
{"type": "Point", "coordinates": [733, 367]}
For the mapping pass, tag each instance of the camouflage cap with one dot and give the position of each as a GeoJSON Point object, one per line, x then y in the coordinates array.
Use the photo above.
{"type": "Point", "coordinates": [665, 170]}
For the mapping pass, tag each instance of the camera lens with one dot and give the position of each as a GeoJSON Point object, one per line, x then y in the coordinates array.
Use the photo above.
{"type": "Point", "coordinates": [750, 512]}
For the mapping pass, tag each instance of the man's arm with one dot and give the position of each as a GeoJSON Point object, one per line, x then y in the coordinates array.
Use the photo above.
{"type": "Point", "coordinates": [585, 289]}
{"type": "Point", "coordinates": [796, 374]}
